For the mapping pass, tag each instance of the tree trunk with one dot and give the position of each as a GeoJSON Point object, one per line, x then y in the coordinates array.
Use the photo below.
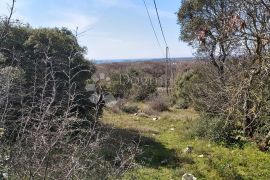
{"type": "Point", "coordinates": [248, 121]}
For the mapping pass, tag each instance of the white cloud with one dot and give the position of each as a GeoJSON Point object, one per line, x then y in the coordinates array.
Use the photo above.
{"type": "Point", "coordinates": [116, 3]}
{"type": "Point", "coordinates": [72, 21]}
{"type": "Point", "coordinates": [108, 2]}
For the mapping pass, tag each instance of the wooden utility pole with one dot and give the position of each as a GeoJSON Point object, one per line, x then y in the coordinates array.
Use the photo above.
{"type": "Point", "coordinates": [167, 70]}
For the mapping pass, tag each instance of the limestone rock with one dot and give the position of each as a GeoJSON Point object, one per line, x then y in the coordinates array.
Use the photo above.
{"type": "Point", "coordinates": [188, 177]}
{"type": "Point", "coordinates": [189, 149]}
{"type": "Point", "coordinates": [165, 161]}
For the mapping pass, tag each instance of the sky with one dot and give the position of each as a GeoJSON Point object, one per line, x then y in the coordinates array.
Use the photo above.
{"type": "Point", "coordinates": [110, 29]}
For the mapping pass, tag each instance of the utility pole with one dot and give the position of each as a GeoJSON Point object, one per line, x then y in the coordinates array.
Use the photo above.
{"type": "Point", "coordinates": [167, 70]}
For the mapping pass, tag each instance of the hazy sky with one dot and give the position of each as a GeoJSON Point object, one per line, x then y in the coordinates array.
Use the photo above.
{"type": "Point", "coordinates": [113, 29]}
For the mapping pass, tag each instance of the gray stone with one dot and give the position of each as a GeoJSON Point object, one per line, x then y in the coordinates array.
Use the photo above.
{"type": "Point", "coordinates": [155, 119]}
{"type": "Point", "coordinates": [165, 161]}
{"type": "Point", "coordinates": [189, 149]}
{"type": "Point", "coordinates": [188, 177]}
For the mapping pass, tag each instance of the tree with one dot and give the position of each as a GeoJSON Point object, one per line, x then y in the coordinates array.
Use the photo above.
{"type": "Point", "coordinates": [234, 36]}
{"type": "Point", "coordinates": [50, 124]}
{"type": "Point", "coordinates": [210, 27]}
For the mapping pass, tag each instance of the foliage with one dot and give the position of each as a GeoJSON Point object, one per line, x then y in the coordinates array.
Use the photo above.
{"type": "Point", "coordinates": [138, 81]}
{"type": "Point", "coordinates": [234, 83]}
{"type": "Point", "coordinates": [51, 124]}
{"type": "Point", "coordinates": [163, 156]}
{"type": "Point", "coordinates": [181, 103]}
{"type": "Point", "coordinates": [159, 104]}
{"type": "Point", "coordinates": [119, 85]}
{"type": "Point", "coordinates": [183, 88]}
{"type": "Point", "coordinates": [144, 90]}
{"type": "Point", "coordinates": [130, 109]}
{"type": "Point", "coordinates": [215, 129]}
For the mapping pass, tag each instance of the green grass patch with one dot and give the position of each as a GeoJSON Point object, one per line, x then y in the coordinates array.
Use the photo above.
{"type": "Point", "coordinates": [164, 140]}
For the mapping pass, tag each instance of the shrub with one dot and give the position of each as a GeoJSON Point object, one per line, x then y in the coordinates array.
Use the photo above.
{"type": "Point", "coordinates": [159, 104]}
{"type": "Point", "coordinates": [119, 85]}
{"type": "Point", "coordinates": [130, 109]}
{"type": "Point", "coordinates": [50, 118]}
{"type": "Point", "coordinates": [215, 129]}
{"type": "Point", "coordinates": [183, 89]}
{"type": "Point", "coordinates": [182, 104]}
{"type": "Point", "coordinates": [144, 90]}
{"type": "Point", "coordinates": [116, 108]}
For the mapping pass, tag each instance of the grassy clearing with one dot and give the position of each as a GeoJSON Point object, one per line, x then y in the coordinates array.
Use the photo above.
{"type": "Point", "coordinates": [163, 142]}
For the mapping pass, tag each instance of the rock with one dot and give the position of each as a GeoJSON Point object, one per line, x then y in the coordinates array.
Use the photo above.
{"type": "Point", "coordinates": [155, 119]}
{"type": "Point", "coordinates": [3, 176]}
{"type": "Point", "coordinates": [164, 161]}
{"type": "Point", "coordinates": [147, 159]}
{"type": "Point", "coordinates": [189, 149]}
{"type": "Point", "coordinates": [188, 177]}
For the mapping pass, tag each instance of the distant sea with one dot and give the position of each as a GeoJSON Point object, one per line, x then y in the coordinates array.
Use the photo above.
{"type": "Point", "coordinates": [108, 61]}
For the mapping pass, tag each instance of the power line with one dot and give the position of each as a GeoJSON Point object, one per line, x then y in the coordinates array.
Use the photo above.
{"type": "Point", "coordinates": [168, 60]}
{"type": "Point", "coordinates": [151, 22]}
{"type": "Point", "coordinates": [160, 23]}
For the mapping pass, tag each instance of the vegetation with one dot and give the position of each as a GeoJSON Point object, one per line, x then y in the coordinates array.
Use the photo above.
{"type": "Point", "coordinates": [63, 117]}
{"type": "Point", "coordinates": [182, 92]}
{"type": "Point", "coordinates": [159, 104]}
{"type": "Point", "coordinates": [144, 90]}
{"type": "Point", "coordinates": [163, 142]}
{"type": "Point", "coordinates": [234, 84]}
{"type": "Point", "coordinates": [136, 83]}
{"type": "Point", "coordinates": [119, 85]}
{"type": "Point", "coordinates": [131, 109]}
{"type": "Point", "coordinates": [48, 119]}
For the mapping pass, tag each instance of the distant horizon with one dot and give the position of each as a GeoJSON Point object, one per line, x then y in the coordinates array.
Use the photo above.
{"type": "Point", "coordinates": [147, 58]}
{"type": "Point", "coordinates": [105, 61]}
